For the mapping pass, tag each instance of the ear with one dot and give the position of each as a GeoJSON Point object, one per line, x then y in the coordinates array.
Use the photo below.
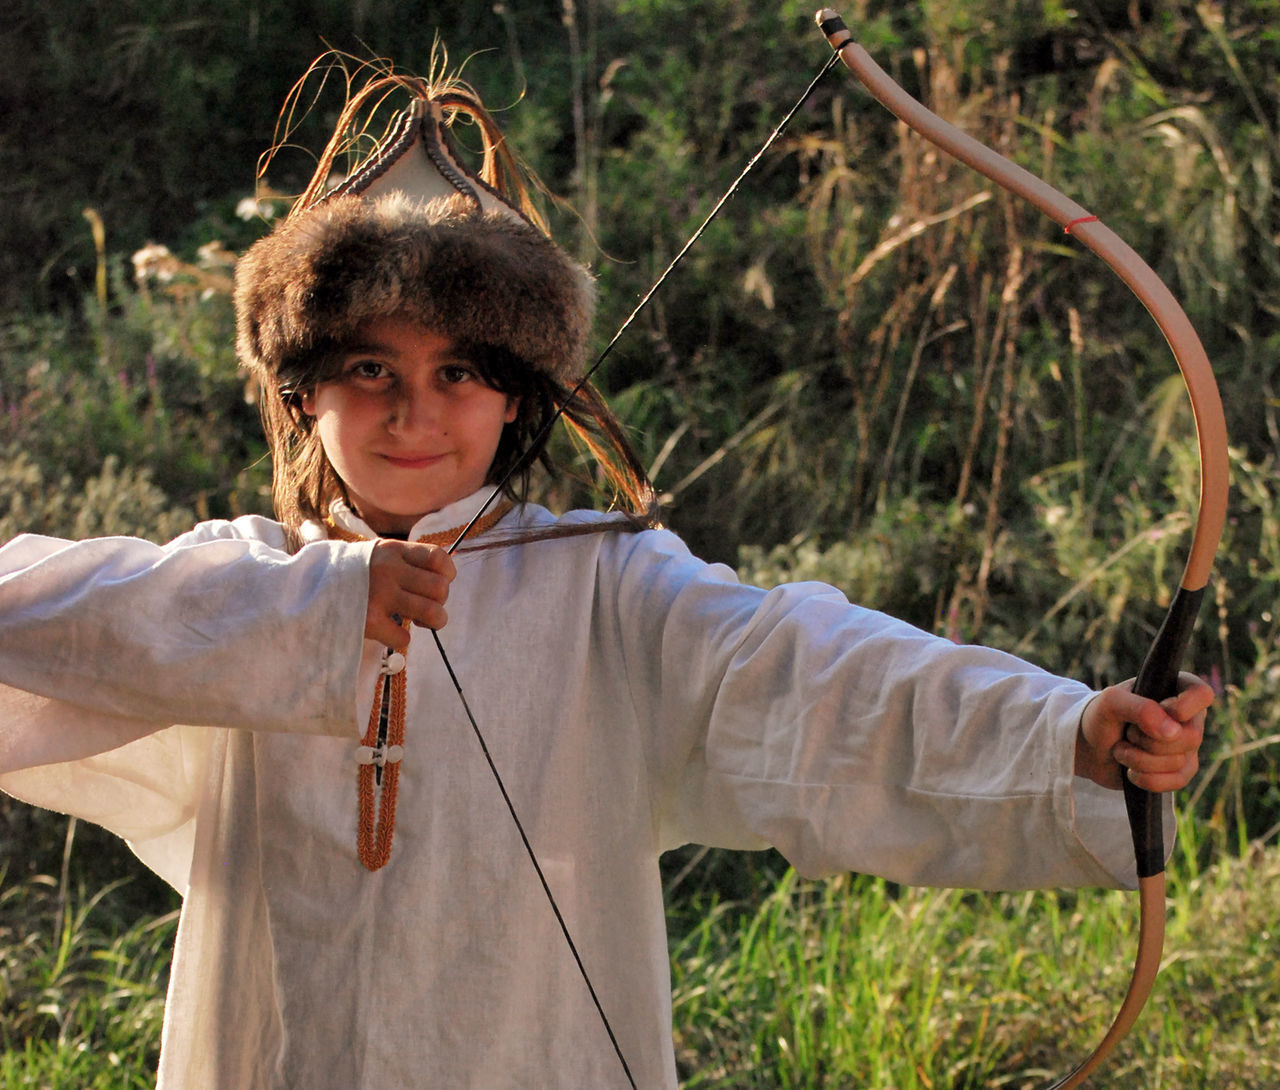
{"type": "Point", "coordinates": [513, 410]}
{"type": "Point", "coordinates": [307, 400]}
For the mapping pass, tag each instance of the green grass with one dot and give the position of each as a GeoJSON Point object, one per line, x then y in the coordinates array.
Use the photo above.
{"type": "Point", "coordinates": [81, 995]}
{"type": "Point", "coordinates": [857, 983]}
{"type": "Point", "coordinates": [851, 982]}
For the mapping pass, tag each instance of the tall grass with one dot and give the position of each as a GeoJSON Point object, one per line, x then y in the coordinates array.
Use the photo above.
{"type": "Point", "coordinates": [850, 982]}
{"type": "Point", "coordinates": [855, 982]}
{"type": "Point", "coordinates": [81, 992]}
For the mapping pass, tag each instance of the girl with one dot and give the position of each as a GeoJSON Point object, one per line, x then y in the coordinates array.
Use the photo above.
{"type": "Point", "coordinates": [247, 707]}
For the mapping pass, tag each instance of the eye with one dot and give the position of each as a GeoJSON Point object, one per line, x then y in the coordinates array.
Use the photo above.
{"type": "Point", "coordinates": [369, 370]}
{"type": "Point", "coordinates": [454, 373]}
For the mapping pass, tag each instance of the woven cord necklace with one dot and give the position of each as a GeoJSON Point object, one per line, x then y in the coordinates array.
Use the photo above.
{"type": "Point", "coordinates": [381, 748]}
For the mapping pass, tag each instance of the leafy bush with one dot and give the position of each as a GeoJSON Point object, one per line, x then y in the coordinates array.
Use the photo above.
{"type": "Point", "coordinates": [115, 502]}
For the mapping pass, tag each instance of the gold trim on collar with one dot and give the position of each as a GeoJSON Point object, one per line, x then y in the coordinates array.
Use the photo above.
{"type": "Point", "coordinates": [439, 537]}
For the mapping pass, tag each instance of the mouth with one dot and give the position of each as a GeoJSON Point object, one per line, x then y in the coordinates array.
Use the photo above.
{"type": "Point", "coordinates": [412, 461]}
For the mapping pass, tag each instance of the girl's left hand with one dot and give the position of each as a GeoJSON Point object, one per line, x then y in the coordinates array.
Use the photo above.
{"type": "Point", "coordinates": [1156, 745]}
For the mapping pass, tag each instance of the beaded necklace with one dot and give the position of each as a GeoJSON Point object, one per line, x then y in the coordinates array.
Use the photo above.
{"type": "Point", "coordinates": [381, 748]}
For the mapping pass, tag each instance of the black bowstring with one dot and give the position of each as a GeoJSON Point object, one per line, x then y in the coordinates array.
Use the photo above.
{"type": "Point", "coordinates": [497, 491]}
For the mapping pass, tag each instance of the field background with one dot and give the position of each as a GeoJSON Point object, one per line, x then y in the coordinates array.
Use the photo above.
{"type": "Point", "coordinates": [875, 370]}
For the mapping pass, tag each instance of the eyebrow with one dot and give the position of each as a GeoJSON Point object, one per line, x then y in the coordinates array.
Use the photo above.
{"type": "Point", "coordinates": [374, 347]}
{"type": "Point", "coordinates": [455, 355]}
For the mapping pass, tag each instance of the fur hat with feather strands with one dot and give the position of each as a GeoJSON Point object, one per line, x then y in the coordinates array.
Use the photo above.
{"type": "Point", "coordinates": [413, 232]}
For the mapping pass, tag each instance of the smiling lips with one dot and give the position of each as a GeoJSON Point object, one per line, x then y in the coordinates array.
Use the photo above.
{"type": "Point", "coordinates": [412, 461]}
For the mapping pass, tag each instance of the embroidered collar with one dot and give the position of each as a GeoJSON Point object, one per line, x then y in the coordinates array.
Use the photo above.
{"type": "Point", "coordinates": [437, 528]}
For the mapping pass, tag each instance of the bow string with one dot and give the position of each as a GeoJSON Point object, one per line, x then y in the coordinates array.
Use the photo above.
{"type": "Point", "coordinates": [493, 495]}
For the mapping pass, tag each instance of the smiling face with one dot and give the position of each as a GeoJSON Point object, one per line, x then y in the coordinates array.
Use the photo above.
{"type": "Point", "coordinates": [407, 423]}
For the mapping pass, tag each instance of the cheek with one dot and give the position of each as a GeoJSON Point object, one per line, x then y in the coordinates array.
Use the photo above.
{"type": "Point", "coordinates": [340, 427]}
{"type": "Point", "coordinates": [330, 443]}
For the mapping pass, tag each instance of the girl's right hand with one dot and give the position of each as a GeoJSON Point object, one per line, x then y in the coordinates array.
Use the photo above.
{"type": "Point", "coordinates": [408, 581]}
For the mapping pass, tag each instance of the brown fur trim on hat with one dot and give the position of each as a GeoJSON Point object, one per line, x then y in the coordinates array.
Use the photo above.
{"type": "Point", "coordinates": [480, 279]}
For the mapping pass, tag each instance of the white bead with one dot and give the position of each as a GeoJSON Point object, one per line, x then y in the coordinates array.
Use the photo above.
{"type": "Point", "coordinates": [364, 755]}
{"type": "Point", "coordinates": [393, 663]}
{"type": "Point", "coordinates": [394, 754]}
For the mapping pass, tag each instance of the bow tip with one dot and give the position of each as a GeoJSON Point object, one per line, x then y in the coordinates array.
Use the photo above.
{"type": "Point", "coordinates": [830, 23]}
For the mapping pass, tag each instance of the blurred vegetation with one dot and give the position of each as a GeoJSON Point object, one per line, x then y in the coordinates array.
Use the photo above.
{"type": "Point", "coordinates": [81, 995]}
{"type": "Point", "coordinates": [875, 369]}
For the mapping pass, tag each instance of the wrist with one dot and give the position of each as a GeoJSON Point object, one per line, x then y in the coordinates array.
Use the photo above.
{"type": "Point", "coordinates": [1088, 762]}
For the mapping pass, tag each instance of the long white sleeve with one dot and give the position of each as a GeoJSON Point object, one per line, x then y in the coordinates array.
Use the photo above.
{"type": "Point", "coordinates": [104, 640]}
{"type": "Point", "coordinates": [111, 649]}
{"type": "Point", "coordinates": [850, 740]}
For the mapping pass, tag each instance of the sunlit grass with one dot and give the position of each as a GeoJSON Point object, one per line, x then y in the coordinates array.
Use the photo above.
{"type": "Point", "coordinates": [857, 983]}
{"type": "Point", "coordinates": [851, 982]}
{"type": "Point", "coordinates": [81, 996]}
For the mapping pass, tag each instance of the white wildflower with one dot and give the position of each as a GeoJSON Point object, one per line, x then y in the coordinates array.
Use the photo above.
{"type": "Point", "coordinates": [154, 261]}
{"type": "Point", "coordinates": [214, 255]}
{"type": "Point", "coordinates": [252, 208]}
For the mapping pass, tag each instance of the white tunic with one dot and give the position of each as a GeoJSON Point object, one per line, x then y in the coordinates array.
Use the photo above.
{"type": "Point", "coordinates": [633, 697]}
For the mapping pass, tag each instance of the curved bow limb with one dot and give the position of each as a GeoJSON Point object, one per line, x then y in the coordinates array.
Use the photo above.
{"type": "Point", "coordinates": [1158, 677]}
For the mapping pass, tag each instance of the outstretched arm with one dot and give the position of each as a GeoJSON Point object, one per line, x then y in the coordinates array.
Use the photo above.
{"type": "Point", "coordinates": [215, 628]}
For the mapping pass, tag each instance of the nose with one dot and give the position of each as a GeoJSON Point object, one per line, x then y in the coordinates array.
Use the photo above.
{"type": "Point", "coordinates": [413, 410]}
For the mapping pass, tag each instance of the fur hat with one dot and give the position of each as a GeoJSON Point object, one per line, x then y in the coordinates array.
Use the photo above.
{"type": "Point", "coordinates": [478, 277]}
{"type": "Point", "coordinates": [413, 232]}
